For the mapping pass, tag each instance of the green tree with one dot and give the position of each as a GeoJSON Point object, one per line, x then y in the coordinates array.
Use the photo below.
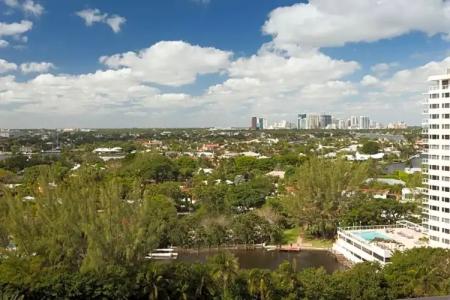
{"type": "Point", "coordinates": [323, 192]}
{"type": "Point", "coordinates": [370, 147]}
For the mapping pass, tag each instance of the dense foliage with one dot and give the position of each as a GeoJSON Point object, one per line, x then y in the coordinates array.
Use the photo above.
{"type": "Point", "coordinates": [415, 273]}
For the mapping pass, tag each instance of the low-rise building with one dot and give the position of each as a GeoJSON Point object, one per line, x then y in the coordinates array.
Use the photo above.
{"type": "Point", "coordinates": [378, 243]}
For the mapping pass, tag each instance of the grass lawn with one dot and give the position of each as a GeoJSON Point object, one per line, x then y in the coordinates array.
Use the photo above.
{"type": "Point", "coordinates": [290, 236]}
{"type": "Point", "coordinates": [318, 243]}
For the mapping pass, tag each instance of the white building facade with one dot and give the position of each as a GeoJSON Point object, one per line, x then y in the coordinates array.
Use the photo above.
{"type": "Point", "coordinates": [436, 161]}
{"type": "Point", "coordinates": [364, 122]}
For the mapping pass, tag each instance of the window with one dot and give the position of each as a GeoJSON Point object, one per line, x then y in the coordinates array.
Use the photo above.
{"type": "Point", "coordinates": [433, 156]}
{"type": "Point", "coordinates": [434, 105]}
{"type": "Point", "coordinates": [434, 136]}
{"type": "Point", "coordinates": [445, 147]}
{"type": "Point", "coordinates": [434, 96]}
{"type": "Point", "coordinates": [445, 209]}
{"type": "Point", "coordinates": [446, 199]}
{"type": "Point", "coordinates": [434, 187]}
{"type": "Point", "coordinates": [434, 116]}
{"type": "Point", "coordinates": [445, 116]}
{"type": "Point", "coordinates": [445, 157]}
{"type": "Point", "coordinates": [446, 220]}
{"type": "Point", "coordinates": [435, 198]}
{"type": "Point", "coordinates": [434, 167]}
{"type": "Point", "coordinates": [446, 105]}
{"type": "Point", "coordinates": [434, 238]}
{"type": "Point", "coordinates": [446, 136]}
{"type": "Point", "coordinates": [434, 147]}
{"type": "Point", "coordinates": [445, 126]}
{"type": "Point", "coordinates": [433, 207]}
{"type": "Point", "coordinates": [445, 168]}
{"type": "Point", "coordinates": [446, 189]}
{"type": "Point", "coordinates": [434, 177]}
{"type": "Point", "coordinates": [445, 95]}
{"type": "Point", "coordinates": [434, 228]}
{"type": "Point", "coordinates": [434, 126]}
{"type": "Point", "coordinates": [445, 230]}
{"type": "Point", "coordinates": [434, 218]}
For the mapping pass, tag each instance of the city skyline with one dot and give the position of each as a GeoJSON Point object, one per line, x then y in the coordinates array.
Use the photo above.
{"type": "Point", "coordinates": [153, 64]}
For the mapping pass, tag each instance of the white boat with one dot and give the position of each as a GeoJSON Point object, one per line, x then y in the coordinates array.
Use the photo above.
{"type": "Point", "coordinates": [164, 253]}
{"type": "Point", "coordinates": [269, 247]}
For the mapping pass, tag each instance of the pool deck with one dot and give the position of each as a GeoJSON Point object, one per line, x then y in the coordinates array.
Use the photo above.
{"type": "Point", "coordinates": [407, 237]}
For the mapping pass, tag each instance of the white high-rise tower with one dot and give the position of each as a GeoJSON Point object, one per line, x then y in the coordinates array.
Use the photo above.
{"type": "Point", "coordinates": [436, 161]}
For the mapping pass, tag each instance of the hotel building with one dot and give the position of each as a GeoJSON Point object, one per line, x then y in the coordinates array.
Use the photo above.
{"type": "Point", "coordinates": [436, 161]}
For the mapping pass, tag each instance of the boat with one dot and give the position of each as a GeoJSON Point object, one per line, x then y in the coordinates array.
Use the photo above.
{"type": "Point", "coordinates": [269, 247]}
{"type": "Point", "coordinates": [163, 253]}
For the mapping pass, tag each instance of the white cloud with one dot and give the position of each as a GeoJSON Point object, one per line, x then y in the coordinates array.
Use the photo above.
{"type": "Point", "coordinates": [115, 22]}
{"type": "Point", "coordinates": [92, 16]}
{"type": "Point", "coordinates": [33, 8]}
{"type": "Point", "coordinates": [28, 6]}
{"type": "Point", "coordinates": [172, 63]}
{"type": "Point", "coordinates": [6, 66]}
{"type": "Point", "coordinates": [383, 69]}
{"type": "Point", "coordinates": [331, 23]}
{"type": "Point", "coordinates": [14, 29]}
{"type": "Point", "coordinates": [36, 67]}
{"type": "Point", "coordinates": [3, 44]}
{"type": "Point", "coordinates": [123, 91]}
{"type": "Point", "coordinates": [369, 80]}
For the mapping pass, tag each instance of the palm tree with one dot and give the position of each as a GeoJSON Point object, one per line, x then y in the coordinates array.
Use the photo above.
{"type": "Point", "coordinates": [224, 270]}
{"type": "Point", "coordinates": [260, 284]}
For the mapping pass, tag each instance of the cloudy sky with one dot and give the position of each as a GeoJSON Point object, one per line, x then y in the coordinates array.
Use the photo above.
{"type": "Point", "coordinates": [184, 63]}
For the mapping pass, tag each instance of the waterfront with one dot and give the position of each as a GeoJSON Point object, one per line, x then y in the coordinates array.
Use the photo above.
{"type": "Point", "coordinates": [259, 258]}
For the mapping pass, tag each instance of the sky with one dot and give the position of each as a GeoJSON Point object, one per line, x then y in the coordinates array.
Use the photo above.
{"type": "Point", "coordinates": [202, 63]}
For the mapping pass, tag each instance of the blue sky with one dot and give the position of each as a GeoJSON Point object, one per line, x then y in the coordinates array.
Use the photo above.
{"type": "Point", "coordinates": [217, 62]}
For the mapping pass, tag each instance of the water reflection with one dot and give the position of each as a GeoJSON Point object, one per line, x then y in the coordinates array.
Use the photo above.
{"type": "Point", "coordinates": [262, 259]}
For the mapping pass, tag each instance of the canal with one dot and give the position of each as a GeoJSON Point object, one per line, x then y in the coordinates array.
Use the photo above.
{"type": "Point", "coordinates": [262, 259]}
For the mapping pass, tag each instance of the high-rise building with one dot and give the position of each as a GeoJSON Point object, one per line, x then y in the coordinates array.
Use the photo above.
{"type": "Point", "coordinates": [354, 122]}
{"type": "Point", "coordinates": [301, 121]}
{"type": "Point", "coordinates": [436, 161]}
{"type": "Point", "coordinates": [364, 122]}
{"type": "Point", "coordinates": [262, 123]}
{"type": "Point", "coordinates": [254, 123]}
{"type": "Point", "coordinates": [324, 121]}
{"type": "Point", "coordinates": [312, 121]}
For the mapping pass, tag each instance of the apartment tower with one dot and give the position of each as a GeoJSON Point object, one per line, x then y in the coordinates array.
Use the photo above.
{"type": "Point", "coordinates": [436, 161]}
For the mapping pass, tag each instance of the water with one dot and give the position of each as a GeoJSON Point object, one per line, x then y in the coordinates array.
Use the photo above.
{"type": "Point", "coordinates": [371, 235]}
{"type": "Point", "coordinates": [262, 259]}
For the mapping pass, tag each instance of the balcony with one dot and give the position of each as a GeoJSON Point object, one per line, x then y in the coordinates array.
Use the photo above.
{"type": "Point", "coordinates": [433, 87]}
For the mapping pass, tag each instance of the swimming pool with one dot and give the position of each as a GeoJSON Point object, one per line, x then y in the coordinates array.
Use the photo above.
{"type": "Point", "coordinates": [371, 235]}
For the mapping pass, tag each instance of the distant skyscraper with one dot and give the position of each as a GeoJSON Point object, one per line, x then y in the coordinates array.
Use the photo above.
{"type": "Point", "coordinates": [262, 123]}
{"type": "Point", "coordinates": [312, 121]}
{"type": "Point", "coordinates": [354, 122]}
{"type": "Point", "coordinates": [324, 121]}
{"type": "Point", "coordinates": [301, 121]}
{"type": "Point", "coordinates": [254, 123]}
{"type": "Point", "coordinates": [364, 122]}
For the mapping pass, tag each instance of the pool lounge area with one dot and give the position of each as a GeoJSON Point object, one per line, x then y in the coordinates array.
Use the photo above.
{"type": "Point", "coordinates": [377, 243]}
{"type": "Point", "coordinates": [371, 235]}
